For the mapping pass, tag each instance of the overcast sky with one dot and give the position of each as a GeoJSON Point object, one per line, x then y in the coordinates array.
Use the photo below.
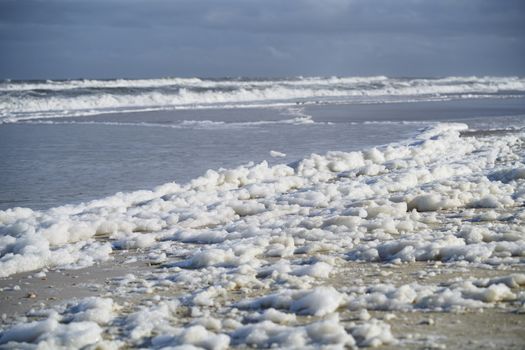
{"type": "Point", "coordinates": [212, 38]}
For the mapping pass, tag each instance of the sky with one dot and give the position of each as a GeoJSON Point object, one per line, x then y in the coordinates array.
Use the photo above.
{"type": "Point", "coordinates": [60, 39]}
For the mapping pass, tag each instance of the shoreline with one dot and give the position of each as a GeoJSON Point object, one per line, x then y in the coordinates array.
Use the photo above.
{"type": "Point", "coordinates": [413, 245]}
{"type": "Point", "coordinates": [413, 329]}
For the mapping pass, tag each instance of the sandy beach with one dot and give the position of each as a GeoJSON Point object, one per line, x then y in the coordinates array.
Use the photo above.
{"type": "Point", "coordinates": [300, 175]}
{"type": "Point", "coordinates": [415, 244]}
{"type": "Point", "coordinates": [497, 327]}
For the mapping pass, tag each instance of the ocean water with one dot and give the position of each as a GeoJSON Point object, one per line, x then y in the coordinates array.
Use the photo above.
{"type": "Point", "coordinates": [327, 198]}
{"type": "Point", "coordinates": [65, 142]}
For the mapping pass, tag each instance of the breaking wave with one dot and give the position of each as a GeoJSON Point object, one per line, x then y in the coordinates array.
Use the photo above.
{"type": "Point", "coordinates": [25, 100]}
{"type": "Point", "coordinates": [189, 124]}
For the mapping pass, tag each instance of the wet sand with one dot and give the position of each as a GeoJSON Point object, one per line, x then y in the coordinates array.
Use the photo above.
{"type": "Point", "coordinates": [497, 327]}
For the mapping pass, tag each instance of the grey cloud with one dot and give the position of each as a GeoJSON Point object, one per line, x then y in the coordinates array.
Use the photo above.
{"type": "Point", "coordinates": [96, 38]}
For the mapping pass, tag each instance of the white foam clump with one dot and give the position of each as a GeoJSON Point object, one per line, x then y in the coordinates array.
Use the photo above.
{"type": "Point", "coordinates": [95, 309]}
{"type": "Point", "coordinates": [145, 322]}
{"type": "Point", "coordinates": [320, 270]}
{"type": "Point", "coordinates": [457, 296]}
{"type": "Point", "coordinates": [277, 154]}
{"type": "Point", "coordinates": [277, 316]}
{"type": "Point", "coordinates": [52, 335]}
{"type": "Point", "coordinates": [328, 332]}
{"type": "Point", "coordinates": [79, 324]}
{"type": "Point", "coordinates": [319, 301]}
{"type": "Point", "coordinates": [154, 322]}
{"type": "Point", "coordinates": [373, 334]}
{"type": "Point", "coordinates": [512, 281]}
{"type": "Point", "coordinates": [193, 337]}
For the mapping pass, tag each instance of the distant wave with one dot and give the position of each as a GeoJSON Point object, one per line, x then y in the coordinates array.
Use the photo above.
{"type": "Point", "coordinates": [210, 124]}
{"type": "Point", "coordinates": [178, 82]}
{"type": "Point", "coordinates": [189, 124]}
{"type": "Point", "coordinates": [23, 100]}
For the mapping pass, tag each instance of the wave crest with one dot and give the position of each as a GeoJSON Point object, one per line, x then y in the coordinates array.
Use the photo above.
{"type": "Point", "coordinates": [23, 100]}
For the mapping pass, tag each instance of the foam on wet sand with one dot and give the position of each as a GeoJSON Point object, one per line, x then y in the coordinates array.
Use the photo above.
{"type": "Point", "coordinates": [257, 255]}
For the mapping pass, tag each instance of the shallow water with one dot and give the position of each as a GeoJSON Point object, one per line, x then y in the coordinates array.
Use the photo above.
{"type": "Point", "coordinates": [50, 162]}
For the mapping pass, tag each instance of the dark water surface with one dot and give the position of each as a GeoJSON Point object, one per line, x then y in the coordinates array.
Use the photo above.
{"type": "Point", "coordinates": [78, 159]}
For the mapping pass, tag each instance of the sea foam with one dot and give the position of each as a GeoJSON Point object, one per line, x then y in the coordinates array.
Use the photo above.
{"type": "Point", "coordinates": [23, 100]}
{"type": "Point", "coordinates": [376, 190]}
{"type": "Point", "coordinates": [248, 254]}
